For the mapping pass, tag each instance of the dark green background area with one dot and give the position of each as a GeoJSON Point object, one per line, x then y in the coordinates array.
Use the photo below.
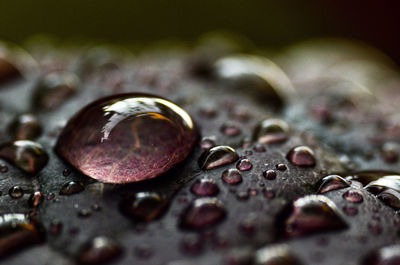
{"type": "Point", "coordinates": [266, 22]}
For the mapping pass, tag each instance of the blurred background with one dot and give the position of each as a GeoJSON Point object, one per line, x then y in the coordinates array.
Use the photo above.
{"type": "Point", "coordinates": [264, 22]}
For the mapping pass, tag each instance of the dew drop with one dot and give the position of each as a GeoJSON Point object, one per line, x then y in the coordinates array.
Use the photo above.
{"type": "Point", "coordinates": [53, 89]}
{"type": "Point", "coordinates": [3, 169]}
{"type": "Point", "coordinates": [192, 244]}
{"type": "Point", "coordinates": [269, 194]}
{"type": "Point", "coordinates": [217, 156]}
{"type": "Point", "coordinates": [16, 192]}
{"type": "Point", "coordinates": [26, 155]}
{"type": "Point", "coordinates": [350, 211]}
{"type": "Point", "coordinates": [25, 127]}
{"type": "Point", "coordinates": [331, 182]}
{"type": "Point", "coordinates": [207, 143]}
{"type": "Point", "coordinates": [248, 227]}
{"type": "Point", "coordinates": [66, 172]}
{"type": "Point", "coordinates": [244, 165]}
{"type": "Point", "coordinates": [203, 213]}
{"type": "Point", "coordinates": [353, 196]}
{"type": "Point", "coordinates": [127, 138]}
{"type": "Point", "coordinates": [281, 167]}
{"type": "Point", "coordinates": [71, 187]}
{"type": "Point", "coordinates": [232, 176]}
{"type": "Point", "coordinates": [301, 156]}
{"type": "Point", "coordinates": [276, 255]}
{"type": "Point", "coordinates": [99, 250]}
{"type": "Point", "coordinates": [387, 189]}
{"type": "Point", "coordinates": [144, 206]}
{"type": "Point", "coordinates": [269, 174]}
{"type": "Point", "coordinates": [205, 187]}
{"type": "Point", "coordinates": [230, 129]}
{"type": "Point", "coordinates": [388, 255]}
{"type": "Point", "coordinates": [8, 71]}
{"type": "Point", "coordinates": [84, 213]}
{"type": "Point", "coordinates": [271, 131]}
{"type": "Point", "coordinates": [313, 214]}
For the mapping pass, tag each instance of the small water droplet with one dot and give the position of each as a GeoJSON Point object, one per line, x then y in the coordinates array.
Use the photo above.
{"type": "Point", "coordinates": [269, 174]}
{"type": "Point", "coordinates": [350, 211]}
{"type": "Point", "coordinates": [99, 250]}
{"type": "Point", "coordinates": [144, 206]}
{"type": "Point", "coordinates": [390, 152]}
{"type": "Point", "coordinates": [66, 172]}
{"type": "Point", "coordinates": [50, 196]}
{"type": "Point", "coordinates": [143, 251]}
{"type": "Point", "coordinates": [244, 165]}
{"type": "Point", "coordinates": [243, 195]}
{"type": "Point", "coordinates": [71, 187]}
{"type": "Point", "coordinates": [259, 148]}
{"type": "Point", "coordinates": [53, 89]}
{"type": "Point", "coordinates": [96, 207]}
{"type": "Point", "coordinates": [192, 244]}
{"type": "Point", "coordinates": [202, 213]}
{"type": "Point", "coordinates": [331, 182]}
{"type": "Point", "coordinates": [269, 194]}
{"type": "Point", "coordinates": [301, 156]}
{"type": "Point", "coordinates": [230, 129]}
{"type": "Point", "coordinates": [276, 255]}
{"type": "Point", "coordinates": [25, 127]}
{"type": "Point", "coordinates": [84, 213]}
{"type": "Point", "coordinates": [55, 227]}
{"type": "Point", "coordinates": [313, 214]}
{"type": "Point", "coordinates": [127, 138]}
{"type": "Point", "coordinates": [3, 169]}
{"type": "Point", "coordinates": [16, 192]}
{"type": "Point", "coordinates": [24, 154]}
{"type": "Point", "coordinates": [388, 255]}
{"type": "Point", "coordinates": [205, 187]}
{"type": "Point", "coordinates": [248, 227]}
{"type": "Point", "coordinates": [281, 167]}
{"type": "Point", "coordinates": [353, 196]}
{"type": "Point", "coordinates": [271, 131]}
{"type": "Point", "coordinates": [207, 143]}
{"type": "Point", "coordinates": [217, 156]}
{"type": "Point", "coordinates": [239, 256]}
{"type": "Point", "coordinates": [232, 176]}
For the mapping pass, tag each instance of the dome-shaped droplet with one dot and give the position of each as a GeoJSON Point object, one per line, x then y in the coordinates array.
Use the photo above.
{"type": "Point", "coordinates": [16, 192]}
{"type": "Point", "coordinates": [127, 138]}
{"type": "Point", "coordinates": [301, 156]}
{"type": "Point", "coordinates": [71, 187]}
{"type": "Point", "coordinates": [387, 189]}
{"type": "Point", "coordinates": [8, 71]}
{"type": "Point", "coordinates": [205, 187]}
{"type": "Point", "coordinates": [17, 232]}
{"type": "Point", "coordinates": [388, 255]}
{"type": "Point", "coordinates": [313, 214]}
{"type": "Point", "coordinates": [244, 164]}
{"type": "Point", "coordinates": [202, 213]}
{"type": "Point", "coordinates": [331, 182]}
{"type": "Point", "coordinates": [217, 156]}
{"type": "Point", "coordinates": [99, 250]}
{"type": "Point", "coordinates": [269, 174]}
{"type": "Point", "coordinates": [232, 176]}
{"type": "Point", "coordinates": [276, 255]}
{"type": "Point", "coordinates": [25, 127]}
{"type": "Point", "coordinates": [207, 143]}
{"type": "Point", "coordinates": [26, 155]}
{"type": "Point", "coordinates": [144, 206]}
{"type": "Point", "coordinates": [53, 89]}
{"type": "Point", "coordinates": [353, 196]}
{"type": "Point", "coordinates": [271, 131]}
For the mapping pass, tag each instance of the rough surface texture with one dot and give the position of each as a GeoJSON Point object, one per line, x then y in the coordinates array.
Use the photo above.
{"type": "Point", "coordinates": [346, 128]}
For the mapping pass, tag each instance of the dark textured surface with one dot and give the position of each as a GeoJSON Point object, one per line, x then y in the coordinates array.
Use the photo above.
{"type": "Point", "coordinates": [253, 207]}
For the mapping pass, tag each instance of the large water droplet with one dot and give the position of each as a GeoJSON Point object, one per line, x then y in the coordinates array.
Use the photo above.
{"type": "Point", "coordinates": [16, 192]}
{"type": "Point", "coordinates": [202, 213]}
{"type": "Point", "coordinates": [18, 232]}
{"type": "Point", "coordinates": [205, 187]}
{"type": "Point", "coordinates": [54, 89]}
{"type": "Point", "coordinates": [8, 71]}
{"type": "Point", "coordinates": [127, 138]}
{"type": "Point", "coordinates": [144, 206]}
{"type": "Point", "coordinates": [26, 155]}
{"type": "Point", "coordinates": [313, 214]}
{"type": "Point", "coordinates": [217, 156]}
{"type": "Point", "coordinates": [271, 131]}
{"type": "Point", "coordinates": [387, 190]}
{"type": "Point", "coordinates": [276, 255]}
{"type": "Point", "coordinates": [301, 156]}
{"type": "Point", "coordinates": [99, 250]}
{"type": "Point", "coordinates": [388, 255]}
{"type": "Point", "coordinates": [25, 127]}
{"type": "Point", "coordinates": [331, 182]}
